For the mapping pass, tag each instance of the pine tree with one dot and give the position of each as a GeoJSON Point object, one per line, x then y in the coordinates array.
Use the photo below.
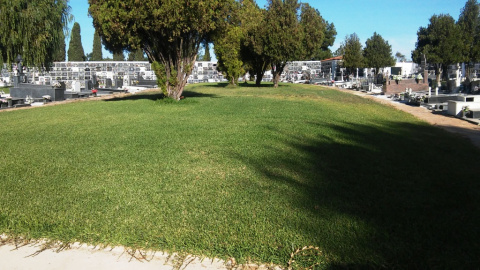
{"type": "Point", "coordinates": [97, 47]}
{"type": "Point", "coordinates": [75, 49]}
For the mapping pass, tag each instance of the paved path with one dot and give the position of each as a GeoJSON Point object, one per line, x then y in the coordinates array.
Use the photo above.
{"type": "Point", "coordinates": [33, 256]}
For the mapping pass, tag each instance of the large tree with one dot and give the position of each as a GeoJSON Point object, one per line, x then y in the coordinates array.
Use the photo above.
{"type": "Point", "coordinates": [469, 26]}
{"type": "Point", "coordinates": [314, 28]}
{"type": "Point", "coordinates": [75, 48]}
{"type": "Point", "coordinates": [378, 53]}
{"type": "Point", "coordinates": [252, 47]}
{"type": "Point", "coordinates": [328, 40]}
{"type": "Point", "coordinates": [97, 54]}
{"type": "Point", "coordinates": [284, 35]}
{"type": "Point", "coordinates": [170, 32]}
{"type": "Point", "coordinates": [60, 53]}
{"type": "Point", "coordinates": [32, 28]}
{"type": "Point", "coordinates": [228, 42]}
{"type": "Point", "coordinates": [440, 42]}
{"type": "Point", "coordinates": [352, 53]}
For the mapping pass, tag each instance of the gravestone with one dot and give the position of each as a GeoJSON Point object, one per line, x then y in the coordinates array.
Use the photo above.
{"type": "Point", "coordinates": [76, 86]}
{"type": "Point", "coordinates": [119, 83]}
{"type": "Point", "coordinates": [108, 83]}
{"type": "Point", "coordinates": [94, 81]}
{"type": "Point", "coordinates": [88, 85]}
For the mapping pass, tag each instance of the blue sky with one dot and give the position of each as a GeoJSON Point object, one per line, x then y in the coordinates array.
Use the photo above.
{"type": "Point", "coordinates": [397, 21]}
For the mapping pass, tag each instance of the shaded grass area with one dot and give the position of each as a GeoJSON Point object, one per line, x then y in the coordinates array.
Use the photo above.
{"type": "Point", "coordinates": [250, 173]}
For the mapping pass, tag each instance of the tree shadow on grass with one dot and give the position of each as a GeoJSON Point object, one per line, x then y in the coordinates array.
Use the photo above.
{"type": "Point", "coordinates": [243, 85]}
{"type": "Point", "coordinates": [413, 192]}
{"type": "Point", "coordinates": [158, 95]}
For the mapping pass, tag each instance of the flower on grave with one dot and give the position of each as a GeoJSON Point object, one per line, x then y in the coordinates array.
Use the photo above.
{"type": "Point", "coordinates": [466, 109]}
{"type": "Point", "coordinates": [3, 100]}
{"type": "Point", "coordinates": [419, 77]}
{"type": "Point", "coordinates": [94, 91]}
{"type": "Point", "coordinates": [57, 85]}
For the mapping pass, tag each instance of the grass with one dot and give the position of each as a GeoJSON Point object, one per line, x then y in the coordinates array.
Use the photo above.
{"type": "Point", "coordinates": [251, 173]}
{"type": "Point", "coordinates": [5, 89]}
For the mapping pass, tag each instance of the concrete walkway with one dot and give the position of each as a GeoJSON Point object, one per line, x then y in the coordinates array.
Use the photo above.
{"type": "Point", "coordinates": [35, 256]}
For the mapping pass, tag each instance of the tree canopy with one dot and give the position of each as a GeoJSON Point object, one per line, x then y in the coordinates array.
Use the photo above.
{"type": "Point", "coordinates": [227, 43]}
{"type": "Point", "coordinates": [252, 48]}
{"type": "Point", "coordinates": [284, 35]}
{"type": "Point", "coordinates": [75, 48]}
{"type": "Point", "coordinates": [469, 26]}
{"type": "Point", "coordinates": [60, 54]}
{"type": "Point", "coordinates": [352, 52]}
{"type": "Point", "coordinates": [440, 41]}
{"type": "Point", "coordinates": [400, 57]}
{"type": "Point", "coordinates": [378, 53]}
{"type": "Point", "coordinates": [34, 29]}
{"type": "Point", "coordinates": [170, 32]}
{"type": "Point", "coordinates": [328, 40]}
{"type": "Point", "coordinates": [314, 30]}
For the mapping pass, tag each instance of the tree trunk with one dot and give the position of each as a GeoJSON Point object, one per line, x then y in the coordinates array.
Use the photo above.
{"type": "Point", "coordinates": [277, 70]}
{"type": "Point", "coordinates": [276, 78]}
{"type": "Point", "coordinates": [259, 74]}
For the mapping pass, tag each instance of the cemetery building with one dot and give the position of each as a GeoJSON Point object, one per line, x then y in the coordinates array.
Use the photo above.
{"type": "Point", "coordinates": [333, 67]}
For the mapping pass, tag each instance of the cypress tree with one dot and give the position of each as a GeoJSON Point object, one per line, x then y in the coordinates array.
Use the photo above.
{"type": "Point", "coordinates": [118, 56]}
{"type": "Point", "coordinates": [206, 56]}
{"type": "Point", "coordinates": [97, 47]}
{"type": "Point", "coordinates": [136, 55]}
{"type": "Point", "coordinates": [75, 49]}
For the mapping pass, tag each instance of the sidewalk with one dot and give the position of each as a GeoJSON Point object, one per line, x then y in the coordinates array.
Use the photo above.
{"type": "Point", "coordinates": [83, 257]}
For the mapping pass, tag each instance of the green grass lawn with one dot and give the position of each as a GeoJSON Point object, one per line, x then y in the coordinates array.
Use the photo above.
{"type": "Point", "coordinates": [251, 173]}
{"type": "Point", "coordinates": [5, 89]}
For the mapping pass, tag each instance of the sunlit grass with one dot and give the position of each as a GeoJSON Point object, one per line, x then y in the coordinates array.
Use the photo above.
{"type": "Point", "coordinates": [251, 173]}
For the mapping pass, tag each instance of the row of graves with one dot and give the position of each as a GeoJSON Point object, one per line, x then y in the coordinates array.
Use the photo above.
{"type": "Point", "coordinates": [459, 97]}
{"type": "Point", "coordinates": [71, 80]}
